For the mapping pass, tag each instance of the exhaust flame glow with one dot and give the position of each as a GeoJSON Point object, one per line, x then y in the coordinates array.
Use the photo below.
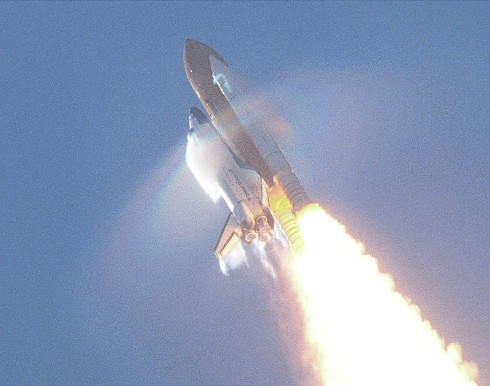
{"type": "Point", "coordinates": [362, 330]}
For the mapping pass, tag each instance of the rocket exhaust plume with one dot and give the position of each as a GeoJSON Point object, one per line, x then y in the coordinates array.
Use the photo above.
{"type": "Point", "coordinates": [357, 328]}
{"type": "Point", "coordinates": [350, 325]}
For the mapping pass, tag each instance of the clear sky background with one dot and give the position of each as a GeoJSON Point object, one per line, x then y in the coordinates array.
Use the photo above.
{"type": "Point", "coordinates": [107, 272]}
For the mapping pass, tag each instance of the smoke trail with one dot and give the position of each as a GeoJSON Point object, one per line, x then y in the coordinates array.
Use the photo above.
{"type": "Point", "coordinates": [357, 329]}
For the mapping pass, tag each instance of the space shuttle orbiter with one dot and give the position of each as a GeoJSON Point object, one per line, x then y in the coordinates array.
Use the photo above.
{"type": "Point", "coordinates": [233, 155]}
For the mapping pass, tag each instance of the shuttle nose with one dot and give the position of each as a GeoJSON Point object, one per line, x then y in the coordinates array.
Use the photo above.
{"type": "Point", "coordinates": [196, 118]}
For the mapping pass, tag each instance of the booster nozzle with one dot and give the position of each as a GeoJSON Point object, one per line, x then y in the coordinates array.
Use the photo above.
{"type": "Point", "coordinates": [293, 190]}
{"type": "Point", "coordinates": [282, 210]}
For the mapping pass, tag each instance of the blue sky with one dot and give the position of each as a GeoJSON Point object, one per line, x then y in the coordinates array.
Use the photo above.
{"type": "Point", "coordinates": [107, 273]}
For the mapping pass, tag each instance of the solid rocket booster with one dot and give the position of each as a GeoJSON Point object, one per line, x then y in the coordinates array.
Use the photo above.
{"type": "Point", "coordinates": [238, 117]}
{"type": "Point", "coordinates": [252, 114]}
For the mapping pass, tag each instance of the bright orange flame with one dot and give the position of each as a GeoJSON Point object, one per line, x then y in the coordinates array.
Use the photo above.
{"type": "Point", "coordinates": [365, 332]}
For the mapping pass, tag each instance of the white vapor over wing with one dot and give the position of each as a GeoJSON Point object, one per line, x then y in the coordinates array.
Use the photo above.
{"type": "Point", "coordinates": [234, 259]}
